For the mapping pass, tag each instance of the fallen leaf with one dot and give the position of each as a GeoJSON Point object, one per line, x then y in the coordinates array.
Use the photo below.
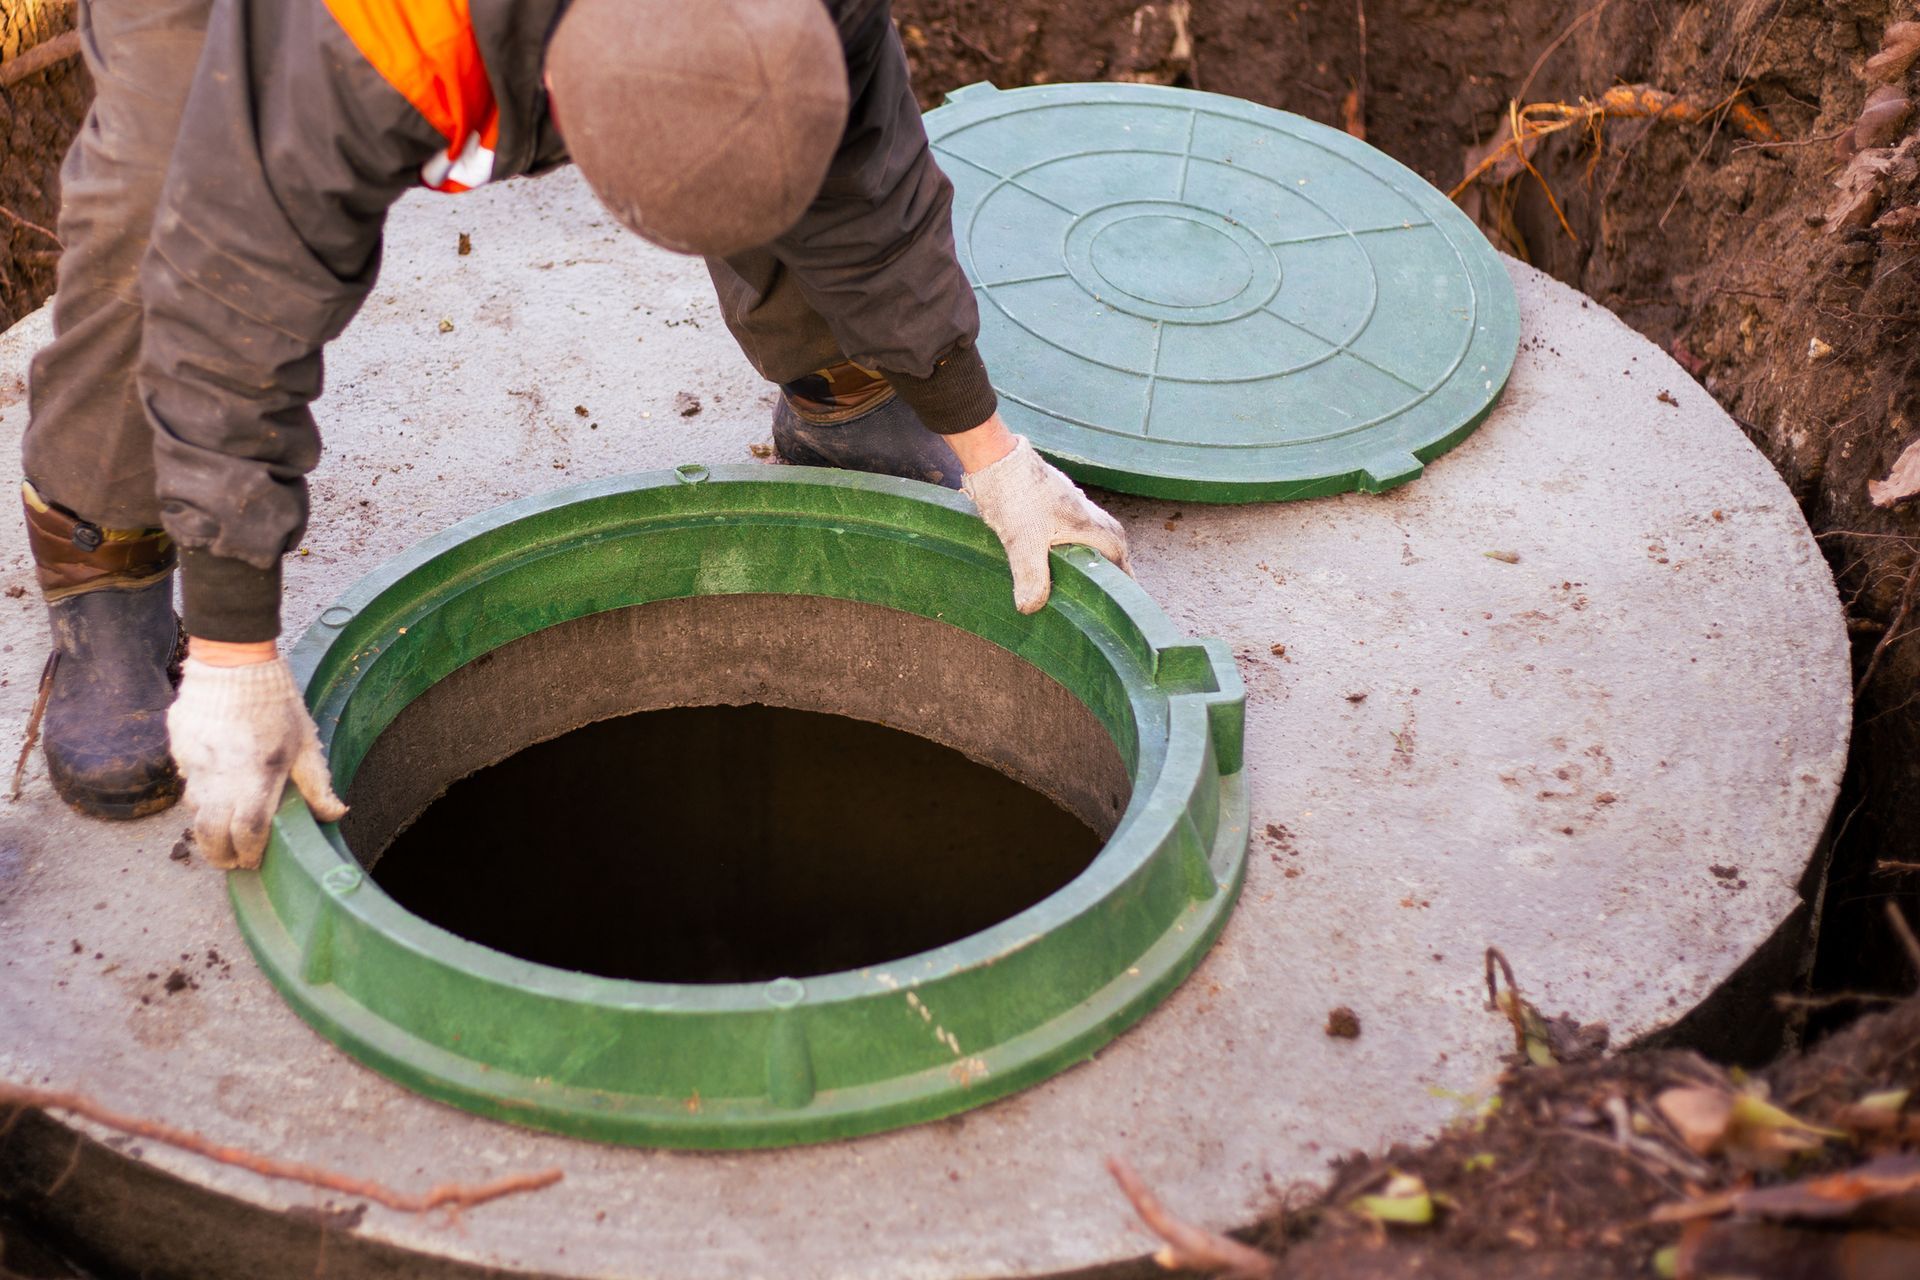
{"type": "Point", "coordinates": [1885, 1192]}
{"type": "Point", "coordinates": [1699, 1115]}
{"type": "Point", "coordinates": [1818, 350]}
{"type": "Point", "coordinates": [1899, 47]}
{"type": "Point", "coordinates": [1754, 1114]}
{"type": "Point", "coordinates": [1767, 1251]}
{"type": "Point", "coordinates": [1750, 1130]}
{"type": "Point", "coordinates": [1860, 184]}
{"type": "Point", "coordinates": [1534, 1031]}
{"type": "Point", "coordinates": [1504, 557]}
{"type": "Point", "coordinates": [1883, 119]}
{"type": "Point", "coordinates": [1404, 1202]}
{"type": "Point", "coordinates": [1902, 482]}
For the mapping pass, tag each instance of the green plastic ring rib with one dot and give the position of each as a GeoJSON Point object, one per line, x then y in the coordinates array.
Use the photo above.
{"type": "Point", "coordinates": [788, 1061]}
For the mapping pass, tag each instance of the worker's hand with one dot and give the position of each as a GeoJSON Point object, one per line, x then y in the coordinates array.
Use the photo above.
{"type": "Point", "coordinates": [1033, 508]}
{"type": "Point", "coordinates": [238, 733]}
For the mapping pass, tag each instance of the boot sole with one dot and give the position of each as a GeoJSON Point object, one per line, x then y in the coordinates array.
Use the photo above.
{"type": "Point", "coordinates": [116, 806]}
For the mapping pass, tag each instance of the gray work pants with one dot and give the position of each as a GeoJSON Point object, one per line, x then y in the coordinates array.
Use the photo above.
{"type": "Point", "coordinates": [88, 446]}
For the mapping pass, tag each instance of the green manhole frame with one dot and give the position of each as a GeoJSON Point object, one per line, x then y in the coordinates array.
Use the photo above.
{"type": "Point", "coordinates": [1391, 453]}
{"type": "Point", "coordinates": [755, 1064]}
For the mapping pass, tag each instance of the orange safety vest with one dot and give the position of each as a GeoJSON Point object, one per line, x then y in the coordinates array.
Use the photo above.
{"type": "Point", "coordinates": [426, 50]}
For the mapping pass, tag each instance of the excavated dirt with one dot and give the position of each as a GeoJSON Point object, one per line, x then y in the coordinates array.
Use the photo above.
{"type": "Point", "coordinates": [1538, 1183]}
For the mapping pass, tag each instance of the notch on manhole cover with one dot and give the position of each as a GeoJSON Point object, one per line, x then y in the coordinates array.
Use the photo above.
{"type": "Point", "coordinates": [1191, 296]}
{"type": "Point", "coordinates": [810, 590]}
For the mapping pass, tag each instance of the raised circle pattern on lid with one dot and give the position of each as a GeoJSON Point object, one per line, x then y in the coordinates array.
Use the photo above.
{"type": "Point", "coordinates": [1191, 296]}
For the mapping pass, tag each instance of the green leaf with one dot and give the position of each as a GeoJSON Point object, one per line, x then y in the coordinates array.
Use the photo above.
{"type": "Point", "coordinates": [1404, 1202]}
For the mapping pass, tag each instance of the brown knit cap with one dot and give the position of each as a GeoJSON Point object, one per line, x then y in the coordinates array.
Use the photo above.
{"type": "Point", "coordinates": [704, 125]}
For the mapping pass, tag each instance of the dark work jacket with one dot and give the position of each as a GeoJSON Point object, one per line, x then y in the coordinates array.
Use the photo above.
{"type": "Point", "coordinates": [309, 118]}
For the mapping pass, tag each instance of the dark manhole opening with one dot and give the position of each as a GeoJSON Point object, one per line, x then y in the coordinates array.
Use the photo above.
{"type": "Point", "coordinates": [737, 788]}
{"type": "Point", "coordinates": [731, 844]}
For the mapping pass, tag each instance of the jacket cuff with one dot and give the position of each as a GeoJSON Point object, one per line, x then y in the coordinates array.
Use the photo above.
{"type": "Point", "coordinates": [228, 600]}
{"type": "Point", "coordinates": [956, 396]}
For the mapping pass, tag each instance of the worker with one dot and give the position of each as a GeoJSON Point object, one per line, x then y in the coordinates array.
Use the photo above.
{"type": "Point", "coordinates": [222, 212]}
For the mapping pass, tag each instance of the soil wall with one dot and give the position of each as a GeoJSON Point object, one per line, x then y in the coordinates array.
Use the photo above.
{"type": "Point", "coordinates": [38, 116]}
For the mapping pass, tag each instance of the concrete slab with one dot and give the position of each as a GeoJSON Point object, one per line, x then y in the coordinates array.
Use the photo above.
{"type": "Point", "coordinates": [1610, 755]}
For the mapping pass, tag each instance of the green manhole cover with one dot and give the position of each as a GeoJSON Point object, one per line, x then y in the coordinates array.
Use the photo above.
{"type": "Point", "coordinates": [798, 1058]}
{"type": "Point", "coordinates": [1190, 296]}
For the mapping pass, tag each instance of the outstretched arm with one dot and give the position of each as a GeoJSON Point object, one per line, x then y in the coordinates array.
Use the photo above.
{"type": "Point", "coordinates": [266, 241]}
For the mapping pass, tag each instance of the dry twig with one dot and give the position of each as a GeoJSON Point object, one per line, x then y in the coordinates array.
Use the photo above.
{"type": "Point", "coordinates": [39, 58]}
{"type": "Point", "coordinates": [447, 1195]}
{"type": "Point", "coordinates": [29, 224]}
{"type": "Point", "coordinates": [961, 38]}
{"type": "Point", "coordinates": [33, 725]}
{"type": "Point", "coordinates": [1356, 104]}
{"type": "Point", "coordinates": [1189, 1247]}
{"type": "Point", "coordinates": [1516, 1012]}
{"type": "Point", "coordinates": [1786, 1001]}
{"type": "Point", "coordinates": [1904, 931]}
{"type": "Point", "coordinates": [1893, 629]}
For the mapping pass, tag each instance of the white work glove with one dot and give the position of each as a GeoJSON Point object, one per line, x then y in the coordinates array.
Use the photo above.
{"type": "Point", "coordinates": [237, 734]}
{"type": "Point", "coordinates": [1033, 508]}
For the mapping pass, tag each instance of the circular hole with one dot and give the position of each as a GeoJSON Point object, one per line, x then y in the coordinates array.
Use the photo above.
{"type": "Point", "coordinates": [735, 789]}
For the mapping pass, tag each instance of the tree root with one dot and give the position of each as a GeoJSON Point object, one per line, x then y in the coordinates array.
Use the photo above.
{"type": "Point", "coordinates": [1512, 154]}
{"type": "Point", "coordinates": [452, 1196]}
{"type": "Point", "coordinates": [1189, 1248]}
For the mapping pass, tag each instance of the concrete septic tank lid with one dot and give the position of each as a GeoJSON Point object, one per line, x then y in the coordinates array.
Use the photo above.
{"type": "Point", "coordinates": [754, 1064]}
{"type": "Point", "coordinates": [1647, 692]}
{"type": "Point", "coordinates": [1193, 296]}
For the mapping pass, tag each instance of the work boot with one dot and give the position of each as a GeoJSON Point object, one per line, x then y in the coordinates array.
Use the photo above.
{"type": "Point", "coordinates": [115, 642]}
{"type": "Point", "coordinates": [846, 416]}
